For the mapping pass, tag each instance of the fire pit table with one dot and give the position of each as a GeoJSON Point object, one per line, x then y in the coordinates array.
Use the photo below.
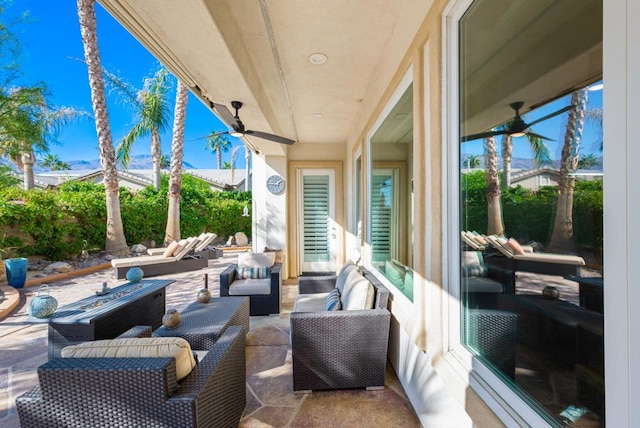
{"type": "Point", "coordinates": [106, 316]}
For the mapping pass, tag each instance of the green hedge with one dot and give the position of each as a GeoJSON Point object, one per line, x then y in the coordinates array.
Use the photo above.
{"type": "Point", "coordinates": [530, 215]}
{"type": "Point", "coordinates": [56, 223]}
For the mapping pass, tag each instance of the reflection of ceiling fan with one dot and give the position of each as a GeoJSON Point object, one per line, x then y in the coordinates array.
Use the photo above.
{"type": "Point", "coordinates": [236, 127]}
{"type": "Point", "coordinates": [517, 127]}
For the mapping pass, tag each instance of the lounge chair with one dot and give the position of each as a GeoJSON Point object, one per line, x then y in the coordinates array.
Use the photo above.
{"type": "Point", "coordinates": [519, 258]}
{"type": "Point", "coordinates": [203, 241]}
{"type": "Point", "coordinates": [182, 261]}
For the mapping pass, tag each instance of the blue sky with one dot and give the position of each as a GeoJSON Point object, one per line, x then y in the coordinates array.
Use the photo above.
{"type": "Point", "coordinates": [51, 45]}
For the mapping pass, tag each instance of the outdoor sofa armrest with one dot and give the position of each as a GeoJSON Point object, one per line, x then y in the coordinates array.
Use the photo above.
{"type": "Point", "coordinates": [226, 278]}
{"type": "Point", "coordinates": [316, 284]}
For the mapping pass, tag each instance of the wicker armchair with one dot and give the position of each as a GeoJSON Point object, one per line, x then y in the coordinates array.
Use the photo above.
{"type": "Point", "coordinates": [140, 392]}
{"type": "Point", "coordinates": [259, 304]}
{"type": "Point", "coordinates": [340, 349]}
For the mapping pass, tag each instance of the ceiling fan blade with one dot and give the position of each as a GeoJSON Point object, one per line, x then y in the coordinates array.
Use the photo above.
{"type": "Point", "coordinates": [270, 137]}
{"type": "Point", "coordinates": [482, 135]}
{"type": "Point", "coordinates": [227, 116]}
{"type": "Point", "coordinates": [549, 116]}
{"type": "Point", "coordinates": [215, 134]}
{"type": "Point", "coordinates": [542, 137]}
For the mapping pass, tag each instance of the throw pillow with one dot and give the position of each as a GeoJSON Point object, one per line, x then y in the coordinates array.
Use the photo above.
{"type": "Point", "coordinates": [515, 246]}
{"type": "Point", "coordinates": [252, 272]}
{"type": "Point", "coordinates": [394, 274]}
{"type": "Point", "coordinates": [358, 294]}
{"type": "Point", "coordinates": [346, 269]}
{"type": "Point", "coordinates": [144, 347]}
{"type": "Point", "coordinates": [408, 284]}
{"type": "Point", "coordinates": [171, 249]}
{"type": "Point", "coordinates": [333, 300]}
{"type": "Point", "coordinates": [473, 264]}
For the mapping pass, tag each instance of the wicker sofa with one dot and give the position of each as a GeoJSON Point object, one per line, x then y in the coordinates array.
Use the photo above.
{"type": "Point", "coordinates": [140, 392]}
{"type": "Point", "coordinates": [263, 292]}
{"type": "Point", "coordinates": [338, 349]}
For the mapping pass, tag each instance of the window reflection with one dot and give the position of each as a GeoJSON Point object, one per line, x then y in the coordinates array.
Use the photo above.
{"type": "Point", "coordinates": [391, 212]}
{"type": "Point", "coordinates": [531, 202]}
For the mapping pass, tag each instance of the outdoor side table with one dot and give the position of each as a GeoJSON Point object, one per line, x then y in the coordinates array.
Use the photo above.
{"type": "Point", "coordinates": [202, 324]}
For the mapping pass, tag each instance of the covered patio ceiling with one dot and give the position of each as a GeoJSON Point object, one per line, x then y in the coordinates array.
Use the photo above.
{"type": "Point", "coordinates": [261, 52]}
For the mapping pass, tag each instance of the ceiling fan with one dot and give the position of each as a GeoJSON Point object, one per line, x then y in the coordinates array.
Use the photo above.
{"type": "Point", "coordinates": [236, 127]}
{"type": "Point", "coordinates": [517, 127]}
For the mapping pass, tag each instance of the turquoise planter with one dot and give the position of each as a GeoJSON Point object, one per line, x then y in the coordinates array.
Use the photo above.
{"type": "Point", "coordinates": [16, 270]}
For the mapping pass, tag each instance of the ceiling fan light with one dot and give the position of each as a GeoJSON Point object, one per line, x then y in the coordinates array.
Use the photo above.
{"type": "Point", "coordinates": [517, 134]}
{"type": "Point", "coordinates": [235, 133]}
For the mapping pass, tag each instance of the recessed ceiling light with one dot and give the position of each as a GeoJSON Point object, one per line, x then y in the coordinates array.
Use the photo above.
{"type": "Point", "coordinates": [317, 58]}
{"type": "Point", "coordinates": [318, 115]}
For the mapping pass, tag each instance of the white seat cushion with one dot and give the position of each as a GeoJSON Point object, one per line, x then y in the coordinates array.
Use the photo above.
{"type": "Point", "coordinates": [348, 269]}
{"type": "Point", "coordinates": [315, 302]}
{"type": "Point", "coordinates": [247, 287]}
{"type": "Point", "coordinates": [149, 347]}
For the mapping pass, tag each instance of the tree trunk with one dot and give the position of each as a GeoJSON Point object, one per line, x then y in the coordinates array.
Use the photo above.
{"type": "Point", "coordinates": [562, 237]}
{"type": "Point", "coordinates": [172, 232]}
{"type": "Point", "coordinates": [156, 154]}
{"type": "Point", "coordinates": [247, 155]}
{"type": "Point", "coordinates": [492, 180]}
{"type": "Point", "coordinates": [27, 170]}
{"type": "Point", "coordinates": [219, 156]}
{"type": "Point", "coordinates": [507, 152]}
{"type": "Point", "coordinates": [115, 240]}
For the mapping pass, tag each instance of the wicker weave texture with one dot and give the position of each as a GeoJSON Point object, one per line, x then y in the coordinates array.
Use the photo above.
{"type": "Point", "coordinates": [494, 334]}
{"type": "Point", "coordinates": [260, 304]}
{"type": "Point", "coordinates": [202, 323]}
{"type": "Point", "coordinates": [140, 392]}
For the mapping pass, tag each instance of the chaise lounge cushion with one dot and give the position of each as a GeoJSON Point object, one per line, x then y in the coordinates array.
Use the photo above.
{"type": "Point", "coordinates": [151, 347]}
{"type": "Point", "coordinates": [171, 249]}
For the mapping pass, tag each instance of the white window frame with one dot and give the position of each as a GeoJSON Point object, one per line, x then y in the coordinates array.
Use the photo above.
{"type": "Point", "coordinates": [510, 408]}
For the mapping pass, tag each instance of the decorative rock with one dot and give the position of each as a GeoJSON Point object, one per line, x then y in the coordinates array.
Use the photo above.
{"type": "Point", "coordinates": [241, 239]}
{"type": "Point", "coordinates": [550, 293]}
{"type": "Point", "coordinates": [139, 248]}
{"type": "Point", "coordinates": [58, 267]}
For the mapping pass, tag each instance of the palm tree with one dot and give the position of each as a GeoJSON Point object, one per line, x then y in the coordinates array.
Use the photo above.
{"type": "Point", "coordinates": [472, 161]}
{"type": "Point", "coordinates": [541, 155]}
{"type": "Point", "coordinates": [234, 153]}
{"type": "Point", "coordinates": [27, 126]}
{"type": "Point", "coordinates": [152, 114]}
{"type": "Point", "coordinates": [218, 144]}
{"type": "Point", "coordinates": [115, 240]}
{"type": "Point", "coordinates": [588, 161]}
{"type": "Point", "coordinates": [172, 232]}
{"type": "Point", "coordinates": [54, 163]}
{"type": "Point", "coordinates": [562, 237]}
{"type": "Point", "coordinates": [492, 179]}
{"type": "Point", "coordinates": [247, 156]}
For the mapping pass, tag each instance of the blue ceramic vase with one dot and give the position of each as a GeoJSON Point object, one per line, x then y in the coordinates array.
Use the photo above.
{"type": "Point", "coordinates": [135, 274]}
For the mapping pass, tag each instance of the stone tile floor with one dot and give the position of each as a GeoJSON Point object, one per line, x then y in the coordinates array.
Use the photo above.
{"type": "Point", "coordinates": [270, 398]}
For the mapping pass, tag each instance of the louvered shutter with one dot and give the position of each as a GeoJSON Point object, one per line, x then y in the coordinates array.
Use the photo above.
{"type": "Point", "coordinates": [381, 221]}
{"type": "Point", "coordinates": [316, 214]}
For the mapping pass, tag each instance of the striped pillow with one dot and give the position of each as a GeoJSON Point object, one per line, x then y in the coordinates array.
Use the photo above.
{"type": "Point", "coordinates": [333, 300]}
{"type": "Point", "coordinates": [252, 272]}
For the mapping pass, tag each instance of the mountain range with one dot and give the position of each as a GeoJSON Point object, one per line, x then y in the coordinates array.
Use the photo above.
{"type": "Point", "coordinates": [136, 162]}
